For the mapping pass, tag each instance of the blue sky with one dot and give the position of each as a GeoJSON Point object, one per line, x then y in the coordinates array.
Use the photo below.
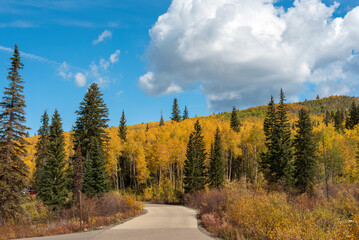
{"type": "Point", "coordinates": [52, 33]}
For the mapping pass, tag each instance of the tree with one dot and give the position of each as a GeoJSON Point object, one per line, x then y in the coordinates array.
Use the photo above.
{"type": "Point", "coordinates": [283, 168]}
{"type": "Point", "coordinates": [317, 97]}
{"type": "Point", "coordinates": [122, 130]}
{"type": "Point", "coordinates": [42, 150]}
{"type": "Point", "coordinates": [235, 123]}
{"type": "Point", "coordinates": [175, 111]}
{"type": "Point", "coordinates": [185, 113]}
{"type": "Point", "coordinates": [217, 168]}
{"type": "Point", "coordinates": [95, 172]}
{"type": "Point", "coordinates": [327, 119]}
{"type": "Point", "coordinates": [194, 169]}
{"type": "Point", "coordinates": [338, 120]}
{"type": "Point", "coordinates": [305, 154]}
{"type": "Point", "coordinates": [78, 170]}
{"type": "Point", "coordinates": [90, 132]}
{"type": "Point", "coordinates": [353, 118]}
{"type": "Point", "coordinates": [161, 120]}
{"type": "Point", "coordinates": [271, 141]}
{"type": "Point", "coordinates": [54, 184]}
{"type": "Point", "coordinates": [13, 170]}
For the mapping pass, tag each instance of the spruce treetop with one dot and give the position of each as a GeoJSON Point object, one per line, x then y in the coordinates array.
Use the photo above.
{"type": "Point", "coordinates": [185, 113]}
{"type": "Point", "coordinates": [175, 111]}
{"type": "Point", "coordinates": [235, 123]}
{"type": "Point", "coordinates": [122, 130]}
{"type": "Point", "coordinates": [161, 120]}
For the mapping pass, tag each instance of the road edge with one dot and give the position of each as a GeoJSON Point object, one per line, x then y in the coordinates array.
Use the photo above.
{"type": "Point", "coordinates": [200, 225]}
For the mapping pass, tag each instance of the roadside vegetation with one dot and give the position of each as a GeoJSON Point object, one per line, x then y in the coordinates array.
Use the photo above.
{"type": "Point", "coordinates": [245, 211]}
{"type": "Point", "coordinates": [40, 220]}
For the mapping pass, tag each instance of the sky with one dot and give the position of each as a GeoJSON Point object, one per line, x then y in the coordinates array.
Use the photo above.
{"type": "Point", "coordinates": [209, 54]}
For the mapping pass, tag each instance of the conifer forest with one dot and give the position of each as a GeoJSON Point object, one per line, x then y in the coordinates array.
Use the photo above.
{"type": "Point", "coordinates": [277, 171]}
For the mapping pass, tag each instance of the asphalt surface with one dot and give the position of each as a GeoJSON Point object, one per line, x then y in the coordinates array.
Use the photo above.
{"type": "Point", "coordinates": [162, 222]}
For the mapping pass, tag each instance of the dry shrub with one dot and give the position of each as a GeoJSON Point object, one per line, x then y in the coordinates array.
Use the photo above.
{"type": "Point", "coordinates": [241, 211]}
{"type": "Point", "coordinates": [97, 212]}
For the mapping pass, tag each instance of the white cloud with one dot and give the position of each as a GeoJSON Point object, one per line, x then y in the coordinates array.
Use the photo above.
{"type": "Point", "coordinates": [80, 79]}
{"type": "Point", "coordinates": [18, 24]}
{"type": "Point", "coordinates": [242, 51]}
{"type": "Point", "coordinates": [64, 71]}
{"type": "Point", "coordinates": [104, 64]}
{"type": "Point", "coordinates": [104, 35]}
{"type": "Point", "coordinates": [114, 56]}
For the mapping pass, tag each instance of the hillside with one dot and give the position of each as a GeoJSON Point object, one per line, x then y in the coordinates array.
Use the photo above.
{"type": "Point", "coordinates": [165, 146]}
{"type": "Point", "coordinates": [315, 107]}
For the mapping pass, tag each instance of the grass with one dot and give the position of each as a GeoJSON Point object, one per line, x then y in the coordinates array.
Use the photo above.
{"type": "Point", "coordinates": [38, 220]}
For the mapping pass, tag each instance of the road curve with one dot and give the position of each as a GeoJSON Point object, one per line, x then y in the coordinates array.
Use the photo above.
{"type": "Point", "coordinates": [162, 222]}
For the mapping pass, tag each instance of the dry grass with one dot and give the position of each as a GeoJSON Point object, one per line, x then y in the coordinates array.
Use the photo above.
{"type": "Point", "coordinates": [242, 212]}
{"type": "Point", "coordinates": [39, 221]}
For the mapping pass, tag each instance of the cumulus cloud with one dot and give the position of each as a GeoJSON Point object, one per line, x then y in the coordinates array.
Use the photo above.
{"type": "Point", "coordinates": [242, 51]}
{"type": "Point", "coordinates": [80, 79]}
{"type": "Point", "coordinates": [104, 35]}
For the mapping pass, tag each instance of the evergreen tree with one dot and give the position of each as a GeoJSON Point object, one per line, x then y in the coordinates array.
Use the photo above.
{"type": "Point", "coordinates": [194, 170]}
{"type": "Point", "coordinates": [78, 170]}
{"type": "Point", "coordinates": [42, 150]}
{"type": "Point", "coordinates": [54, 184]}
{"type": "Point", "coordinates": [185, 113]}
{"type": "Point", "coordinates": [327, 118]}
{"type": "Point", "coordinates": [338, 120]}
{"type": "Point", "coordinates": [13, 170]}
{"type": "Point", "coordinates": [147, 127]}
{"type": "Point", "coordinates": [175, 111]}
{"type": "Point", "coordinates": [235, 123]}
{"type": "Point", "coordinates": [122, 130]}
{"type": "Point", "coordinates": [217, 168]}
{"type": "Point", "coordinates": [284, 155]}
{"type": "Point", "coordinates": [317, 97]}
{"type": "Point", "coordinates": [271, 142]}
{"type": "Point", "coordinates": [305, 156]}
{"type": "Point", "coordinates": [353, 118]}
{"type": "Point", "coordinates": [161, 120]}
{"type": "Point", "coordinates": [95, 172]}
{"type": "Point", "coordinates": [90, 132]}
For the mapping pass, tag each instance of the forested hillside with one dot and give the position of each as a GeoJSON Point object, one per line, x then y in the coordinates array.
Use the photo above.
{"type": "Point", "coordinates": [150, 160]}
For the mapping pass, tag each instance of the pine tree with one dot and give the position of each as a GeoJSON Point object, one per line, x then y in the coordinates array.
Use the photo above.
{"type": "Point", "coordinates": [327, 118]}
{"type": "Point", "coordinates": [42, 150]}
{"type": "Point", "coordinates": [54, 184]}
{"type": "Point", "coordinates": [217, 167]}
{"type": "Point", "coordinates": [175, 111]}
{"type": "Point", "coordinates": [305, 156]}
{"type": "Point", "coordinates": [235, 123]}
{"type": "Point", "coordinates": [161, 120]}
{"type": "Point", "coordinates": [90, 132]}
{"type": "Point", "coordinates": [338, 120]}
{"type": "Point", "coordinates": [185, 113]}
{"type": "Point", "coordinates": [317, 97]}
{"type": "Point", "coordinates": [78, 170]}
{"type": "Point", "coordinates": [194, 170]}
{"type": "Point", "coordinates": [353, 118]}
{"type": "Point", "coordinates": [13, 170]}
{"type": "Point", "coordinates": [122, 129]}
{"type": "Point", "coordinates": [283, 168]}
{"type": "Point", "coordinates": [271, 141]}
{"type": "Point", "coordinates": [95, 172]}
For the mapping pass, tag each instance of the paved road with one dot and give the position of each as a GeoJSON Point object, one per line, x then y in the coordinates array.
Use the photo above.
{"type": "Point", "coordinates": [162, 222]}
